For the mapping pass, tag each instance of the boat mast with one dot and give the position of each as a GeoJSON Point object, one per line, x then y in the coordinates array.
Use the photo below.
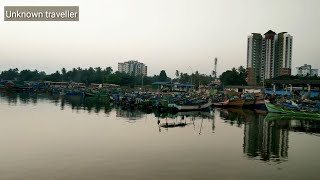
{"type": "Point", "coordinates": [215, 68]}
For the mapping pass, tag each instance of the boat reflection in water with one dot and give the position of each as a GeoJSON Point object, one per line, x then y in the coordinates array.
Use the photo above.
{"type": "Point", "coordinates": [266, 135]}
{"type": "Point", "coordinates": [236, 116]}
{"type": "Point", "coordinates": [308, 125]}
{"type": "Point", "coordinates": [168, 120]}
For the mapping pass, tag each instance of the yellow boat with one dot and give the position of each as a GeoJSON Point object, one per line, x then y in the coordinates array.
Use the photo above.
{"type": "Point", "coordinates": [237, 103]}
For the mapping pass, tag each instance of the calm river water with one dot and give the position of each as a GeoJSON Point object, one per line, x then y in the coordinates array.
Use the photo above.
{"type": "Point", "coordinates": [46, 137]}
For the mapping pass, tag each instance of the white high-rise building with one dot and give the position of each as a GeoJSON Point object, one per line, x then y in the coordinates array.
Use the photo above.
{"type": "Point", "coordinates": [133, 67]}
{"type": "Point", "coordinates": [268, 56]}
{"type": "Point", "coordinates": [284, 56]}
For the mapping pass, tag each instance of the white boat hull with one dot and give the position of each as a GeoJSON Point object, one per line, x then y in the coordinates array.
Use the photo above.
{"type": "Point", "coordinates": [193, 107]}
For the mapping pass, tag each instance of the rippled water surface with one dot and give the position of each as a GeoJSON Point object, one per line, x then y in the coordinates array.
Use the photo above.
{"type": "Point", "coordinates": [47, 137]}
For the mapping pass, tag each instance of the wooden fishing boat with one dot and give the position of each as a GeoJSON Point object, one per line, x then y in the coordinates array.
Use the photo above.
{"type": "Point", "coordinates": [236, 103]}
{"type": "Point", "coordinates": [193, 107]}
{"type": "Point", "coordinates": [221, 104]}
{"type": "Point", "coordinates": [249, 98]}
{"type": "Point", "coordinates": [273, 108]}
{"type": "Point", "coordinates": [173, 125]}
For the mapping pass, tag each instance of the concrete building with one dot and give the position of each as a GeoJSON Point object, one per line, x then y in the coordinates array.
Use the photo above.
{"type": "Point", "coordinates": [133, 67]}
{"type": "Point", "coordinates": [268, 56]}
{"type": "Point", "coordinates": [314, 72]}
{"type": "Point", "coordinates": [283, 54]}
{"type": "Point", "coordinates": [306, 70]}
{"type": "Point", "coordinates": [254, 57]}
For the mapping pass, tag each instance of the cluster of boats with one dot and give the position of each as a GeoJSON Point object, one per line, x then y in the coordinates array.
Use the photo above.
{"type": "Point", "coordinates": [294, 107]}
{"type": "Point", "coordinates": [258, 102]}
{"type": "Point", "coordinates": [248, 100]}
{"type": "Point", "coordinates": [176, 101]}
{"type": "Point", "coordinates": [190, 101]}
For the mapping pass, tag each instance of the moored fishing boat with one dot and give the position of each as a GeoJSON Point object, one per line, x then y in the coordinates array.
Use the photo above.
{"type": "Point", "coordinates": [274, 108]}
{"type": "Point", "coordinates": [236, 103]}
{"type": "Point", "coordinates": [193, 107]}
{"type": "Point", "coordinates": [250, 100]}
{"type": "Point", "coordinates": [221, 104]}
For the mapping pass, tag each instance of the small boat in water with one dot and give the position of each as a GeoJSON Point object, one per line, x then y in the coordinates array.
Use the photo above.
{"type": "Point", "coordinates": [229, 103]}
{"type": "Point", "coordinates": [173, 125]}
{"type": "Point", "coordinates": [236, 103]}
{"type": "Point", "coordinates": [275, 108]}
{"type": "Point", "coordinates": [250, 99]}
{"type": "Point", "coordinates": [193, 107]}
{"type": "Point", "coordinates": [221, 104]}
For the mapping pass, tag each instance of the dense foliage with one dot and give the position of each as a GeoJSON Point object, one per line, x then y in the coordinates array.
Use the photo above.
{"type": "Point", "coordinates": [234, 76]}
{"type": "Point", "coordinates": [99, 75]}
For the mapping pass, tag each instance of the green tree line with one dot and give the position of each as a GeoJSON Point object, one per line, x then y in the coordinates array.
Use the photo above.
{"type": "Point", "coordinates": [234, 76]}
{"type": "Point", "coordinates": [107, 75]}
{"type": "Point", "coordinates": [100, 75]}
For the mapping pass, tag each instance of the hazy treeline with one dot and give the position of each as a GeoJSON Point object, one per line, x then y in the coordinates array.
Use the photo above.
{"type": "Point", "coordinates": [235, 76]}
{"type": "Point", "coordinates": [100, 75]}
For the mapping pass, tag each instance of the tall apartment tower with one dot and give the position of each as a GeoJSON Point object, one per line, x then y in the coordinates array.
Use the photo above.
{"type": "Point", "coordinates": [133, 67]}
{"type": "Point", "coordinates": [268, 56]}
{"type": "Point", "coordinates": [284, 54]}
{"type": "Point", "coordinates": [254, 57]}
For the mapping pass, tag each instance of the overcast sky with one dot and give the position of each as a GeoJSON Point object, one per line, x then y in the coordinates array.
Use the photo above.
{"type": "Point", "coordinates": [163, 34]}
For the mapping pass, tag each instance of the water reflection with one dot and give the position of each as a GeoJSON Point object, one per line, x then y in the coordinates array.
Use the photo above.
{"type": "Point", "coordinates": [308, 125]}
{"type": "Point", "coordinates": [10, 98]}
{"type": "Point", "coordinates": [130, 114]}
{"type": "Point", "coordinates": [266, 140]}
{"type": "Point", "coordinates": [169, 120]}
{"type": "Point", "coordinates": [266, 136]}
{"type": "Point", "coordinates": [235, 116]}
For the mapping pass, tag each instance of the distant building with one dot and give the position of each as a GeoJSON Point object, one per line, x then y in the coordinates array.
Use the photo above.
{"type": "Point", "coordinates": [306, 70]}
{"type": "Point", "coordinates": [314, 72]}
{"type": "Point", "coordinates": [133, 68]}
{"type": "Point", "coordinates": [268, 56]}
